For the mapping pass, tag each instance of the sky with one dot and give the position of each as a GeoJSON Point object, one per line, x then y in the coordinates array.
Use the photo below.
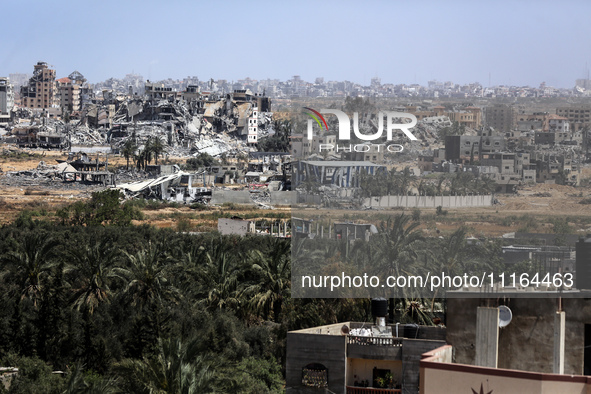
{"type": "Point", "coordinates": [492, 42]}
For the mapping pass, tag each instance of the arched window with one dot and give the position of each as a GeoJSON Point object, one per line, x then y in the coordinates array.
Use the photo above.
{"type": "Point", "coordinates": [315, 375]}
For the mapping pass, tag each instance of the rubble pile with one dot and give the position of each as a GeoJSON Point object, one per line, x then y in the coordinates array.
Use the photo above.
{"type": "Point", "coordinates": [184, 126]}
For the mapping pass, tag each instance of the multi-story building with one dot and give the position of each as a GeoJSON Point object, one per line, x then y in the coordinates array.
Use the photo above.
{"type": "Point", "coordinates": [578, 116]}
{"type": "Point", "coordinates": [513, 169]}
{"type": "Point", "coordinates": [253, 136]}
{"type": "Point", "coordinates": [302, 147]}
{"type": "Point", "coordinates": [531, 122]}
{"type": "Point", "coordinates": [499, 117]}
{"type": "Point", "coordinates": [551, 137]}
{"type": "Point", "coordinates": [471, 117]}
{"type": "Point", "coordinates": [40, 92]}
{"type": "Point", "coordinates": [157, 91]}
{"type": "Point", "coordinates": [466, 147]}
{"type": "Point", "coordinates": [6, 100]}
{"type": "Point", "coordinates": [558, 123]}
{"type": "Point", "coordinates": [69, 94]}
{"type": "Point", "coordinates": [358, 358]}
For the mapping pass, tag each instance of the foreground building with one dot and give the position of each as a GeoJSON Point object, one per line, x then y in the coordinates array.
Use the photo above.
{"type": "Point", "coordinates": [358, 358]}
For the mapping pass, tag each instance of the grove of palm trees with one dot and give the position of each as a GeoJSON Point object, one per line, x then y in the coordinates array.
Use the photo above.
{"type": "Point", "coordinates": [118, 308]}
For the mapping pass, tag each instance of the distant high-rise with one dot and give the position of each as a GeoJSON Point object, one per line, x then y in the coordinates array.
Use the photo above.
{"type": "Point", "coordinates": [579, 116]}
{"type": "Point", "coordinates": [583, 83]}
{"type": "Point", "coordinates": [41, 90]}
{"type": "Point", "coordinates": [499, 117]}
{"type": "Point", "coordinates": [6, 99]}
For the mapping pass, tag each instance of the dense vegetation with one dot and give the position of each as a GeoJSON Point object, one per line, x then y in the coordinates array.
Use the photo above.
{"type": "Point", "coordinates": [120, 308]}
{"type": "Point", "coordinates": [123, 308]}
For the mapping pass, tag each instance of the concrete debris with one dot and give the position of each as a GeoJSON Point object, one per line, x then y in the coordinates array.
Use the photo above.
{"type": "Point", "coordinates": [186, 124]}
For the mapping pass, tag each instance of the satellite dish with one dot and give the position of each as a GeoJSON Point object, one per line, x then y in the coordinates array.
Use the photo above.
{"type": "Point", "coordinates": [505, 316]}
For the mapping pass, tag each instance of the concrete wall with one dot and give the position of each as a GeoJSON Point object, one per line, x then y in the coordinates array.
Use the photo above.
{"type": "Point", "coordinates": [440, 376]}
{"type": "Point", "coordinates": [527, 342]}
{"type": "Point", "coordinates": [233, 226]}
{"type": "Point", "coordinates": [231, 196]}
{"type": "Point", "coordinates": [437, 381]}
{"type": "Point", "coordinates": [90, 148]}
{"type": "Point", "coordinates": [304, 349]}
{"type": "Point", "coordinates": [283, 198]}
{"type": "Point", "coordinates": [412, 349]}
{"type": "Point", "coordinates": [429, 201]}
{"type": "Point", "coordinates": [303, 198]}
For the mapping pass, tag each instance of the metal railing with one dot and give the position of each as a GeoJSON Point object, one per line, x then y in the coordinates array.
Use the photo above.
{"type": "Point", "coordinates": [371, 390]}
{"type": "Point", "coordinates": [357, 340]}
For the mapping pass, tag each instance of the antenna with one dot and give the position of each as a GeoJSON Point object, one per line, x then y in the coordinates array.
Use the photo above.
{"type": "Point", "coordinates": [505, 316]}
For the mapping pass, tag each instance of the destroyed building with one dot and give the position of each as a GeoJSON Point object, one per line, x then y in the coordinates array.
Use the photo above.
{"type": "Point", "coordinates": [180, 186]}
{"type": "Point", "coordinates": [40, 92]}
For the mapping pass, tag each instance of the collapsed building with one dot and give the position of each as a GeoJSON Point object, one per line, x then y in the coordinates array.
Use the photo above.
{"type": "Point", "coordinates": [180, 186]}
{"type": "Point", "coordinates": [66, 113]}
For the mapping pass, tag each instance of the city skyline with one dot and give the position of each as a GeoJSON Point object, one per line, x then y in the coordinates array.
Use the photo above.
{"type": "Point", "coordinates": [503, 43]}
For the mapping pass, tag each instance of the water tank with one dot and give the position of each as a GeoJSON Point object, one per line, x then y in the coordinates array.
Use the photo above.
{"type": "Point", "coordinates": [411, 331]}
{"type": "Point", "coordinates": [379, 307]}
{"type": "Point", "coordinates": [583, 266]}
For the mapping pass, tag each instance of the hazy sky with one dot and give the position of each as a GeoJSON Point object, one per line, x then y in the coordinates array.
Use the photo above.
{"type": "Point", "coordinates": [515, 42]}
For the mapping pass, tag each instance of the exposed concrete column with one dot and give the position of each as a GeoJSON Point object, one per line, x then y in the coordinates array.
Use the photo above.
{"type": "Point", "coordinates": [487, 337]}
{"type": "Point", "coordinates": [559, 326]}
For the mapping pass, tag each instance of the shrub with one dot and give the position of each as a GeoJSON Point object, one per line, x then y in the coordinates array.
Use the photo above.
{"type": "Point", "coordinates": [440, 211]}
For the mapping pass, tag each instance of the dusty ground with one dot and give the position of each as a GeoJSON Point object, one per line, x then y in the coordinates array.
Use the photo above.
{"type": "Point", "coordinates": [534, 208]}
{"type": "Point", "coordinates": [530, 210]}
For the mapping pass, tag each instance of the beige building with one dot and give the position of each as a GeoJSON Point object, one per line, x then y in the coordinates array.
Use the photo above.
{"type": "Point", "coordinates": [6, 100]}
{"type": "Point", "coordinates": [69, 94]}
{"type": "Point", "coordinates": [578, 116]}
{"type": "Point", "coordinates": [41, 90]}
{"type": "Point", "coordinates": [499, 117]}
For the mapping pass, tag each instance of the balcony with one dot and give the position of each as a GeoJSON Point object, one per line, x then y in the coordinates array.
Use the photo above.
{"type": "Point", "coordinates": [387, 348]}
{"type": "Point", "coordinates": [366, 341]}
{"type": "Point", "coordinates": [371, 390]}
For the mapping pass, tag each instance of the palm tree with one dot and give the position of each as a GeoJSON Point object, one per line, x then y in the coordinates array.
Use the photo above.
{"type": "Point", "coordinates": [450, 256]}
{"type": "Point", "coordinates": [147, 283]}
{"type": "Point", "coordinates": [91, 273]}
{"type": "Point", "coordinates": [128, 150]}
{"type": "Point", "coordinates": [219, 283]}
{"type": "Point", "coordinates": [30, 263]}
{"type": "Point", "coordinates": [274, 283]}
{"type": "Point", "coordinates": [77, 384]}
{"type": "Point", "coordinates": [146, 276]}
{"type": "Point", "coordinates": [157, 148]}
{"type": "Point", "coordinates": [397, 249]}
{"type": "Point", "coordinates": [176, 369]}
{"type": "Point", "coordinates": [406, 179]}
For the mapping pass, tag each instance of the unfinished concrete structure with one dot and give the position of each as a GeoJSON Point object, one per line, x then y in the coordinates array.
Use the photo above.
{"type": "Point", "coordinates": [40, 92]}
